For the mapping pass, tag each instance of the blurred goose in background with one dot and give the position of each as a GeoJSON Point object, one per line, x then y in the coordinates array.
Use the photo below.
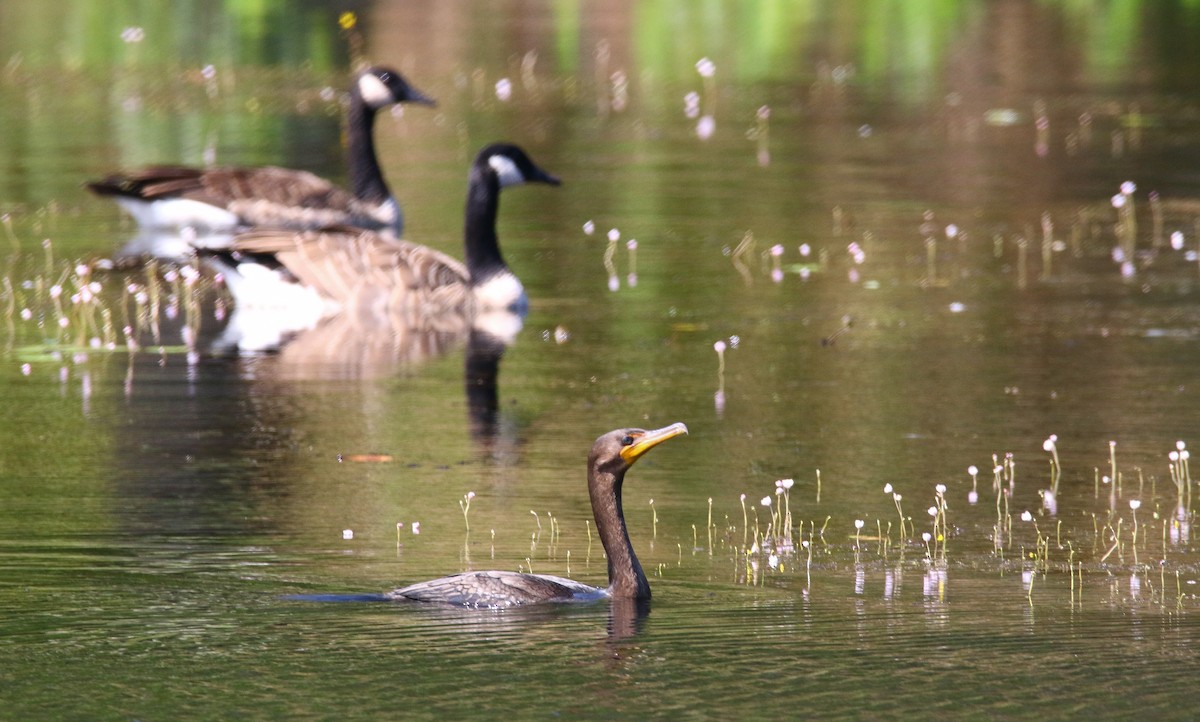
{"type": "Point", "coordinates": [222, 199]}
{"type": "Point", "coordinates": [301, 277]}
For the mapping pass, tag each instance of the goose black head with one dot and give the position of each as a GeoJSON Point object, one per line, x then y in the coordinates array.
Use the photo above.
{"type": "Point", "coordinates": [380, 87]}
{"type": "Point", "coordinates": [512, 166]}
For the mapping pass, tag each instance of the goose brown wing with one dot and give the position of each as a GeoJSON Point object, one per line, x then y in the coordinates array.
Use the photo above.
{"type": "Point", "coordinates": [150, 183]}
{"type": "Point", "coordinates": [283, 187]}
{"type": "Point", "coordinates": [266, 196]}
{"type": "Point", "coordinates": [344, 263]}
{"type": "Point", "coordinates": [222, 186]}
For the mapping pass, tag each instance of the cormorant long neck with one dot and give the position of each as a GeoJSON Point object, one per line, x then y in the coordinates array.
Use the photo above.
{"type": "Point", "coordinates": [482, 247]}
{"type": "Point", "coordinates": [625, 576]}
{"type": "Point", "coordinates": [366, 178]}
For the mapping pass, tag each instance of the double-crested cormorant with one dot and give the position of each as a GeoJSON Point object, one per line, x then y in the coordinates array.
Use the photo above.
{"type": "Point", "coordinates": [612, 455]}
{"type": "Point", "coordinates": [218, 199]}
{"type": "Point", "coordinates": [345, 270]}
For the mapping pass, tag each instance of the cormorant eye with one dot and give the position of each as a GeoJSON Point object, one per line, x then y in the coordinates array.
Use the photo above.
{"type": "Point", "coordinates": [627, 440]}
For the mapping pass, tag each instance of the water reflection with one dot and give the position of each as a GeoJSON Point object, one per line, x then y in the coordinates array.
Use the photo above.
{"type": "Point", "coordinates": [177, 246]}
{"type": "Point", "coordinates": [225, 467]}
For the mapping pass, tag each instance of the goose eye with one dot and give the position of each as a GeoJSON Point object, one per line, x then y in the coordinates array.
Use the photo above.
{"type": "Point", "coordinates": [627, 440]}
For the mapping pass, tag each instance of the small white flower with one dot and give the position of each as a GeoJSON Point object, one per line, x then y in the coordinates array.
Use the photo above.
{"type": "Point", "coordinates": [706, 67]}
{"type": "Point", "coordinates": [1128, 188]}
{"type": "Point", "coordinates": [766, 501]}
{"type": "Point", "coordinates": [614, 235]}
{"type": "Point", "coordinates": [887, 488]}
{"type": "Point", "coordinates": [1048, 445]}
{"type": "Point", "coordinates": [1135, 504]}
{"type": "Point", "coordinates": [972, 470]}
{"type": "Point", "coordinates": [416, 527]}
{"type": "Point", "coordinates": [1026, 516]}
{"type": "Point", "coordinates": [503, 89]}
{"type": "Point", "coordinates": [858, 523]}
{"type": "Point", "coordinates": [347, 533]}
{"type": "Point", "coordinates": [933, 511]}
{"type": "Point", "coordinates": [787, 483]}
{"type": "Point", "coordinates": [589, 227]}
{"type": "Point", "coordinates": [896, 497]}
{"type": "Point", "coordinates": [926, 536]}
{"type": "Point", "coordinates": [1180, 445]}
{"type": "Point", "coordinates": [719, 347]}
{"type": "Point", "coordinates": [940, 489]}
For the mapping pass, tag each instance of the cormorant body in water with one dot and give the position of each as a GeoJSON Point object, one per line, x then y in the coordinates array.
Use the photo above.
{"type": "Point", "coordinates": [611, 456]}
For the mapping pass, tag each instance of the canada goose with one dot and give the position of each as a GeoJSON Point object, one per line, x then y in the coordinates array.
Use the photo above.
{"type": "Point", "coordinates": [217, 199]}
{"type": "Point", "coordinates": [353, 271]}
{"type": "Point", "coordinates": [611, 456]}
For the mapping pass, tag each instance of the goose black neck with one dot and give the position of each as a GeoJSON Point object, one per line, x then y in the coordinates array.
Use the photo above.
{"type": "Point", "coordinates": [626, 580]}
{"type": "Point", "coordinates": [482, 246]}
{"type": "Point", "coordinates": [366, 178]}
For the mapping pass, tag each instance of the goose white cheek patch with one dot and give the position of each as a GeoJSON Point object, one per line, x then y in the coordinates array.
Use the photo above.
{"type": "Point", "coordinates": [506, 171]}
{"type": "Point", "coordinates": [374, 92]}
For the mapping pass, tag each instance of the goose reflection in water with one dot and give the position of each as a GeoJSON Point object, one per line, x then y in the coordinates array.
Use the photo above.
{"type": "Point", "coordinates": [348, 347]}
{"type": "Point", "coordinates": [167, 244]}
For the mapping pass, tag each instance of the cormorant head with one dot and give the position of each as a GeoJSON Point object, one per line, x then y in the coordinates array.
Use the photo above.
{"type": "Point", "coordinates": [617, 450]}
